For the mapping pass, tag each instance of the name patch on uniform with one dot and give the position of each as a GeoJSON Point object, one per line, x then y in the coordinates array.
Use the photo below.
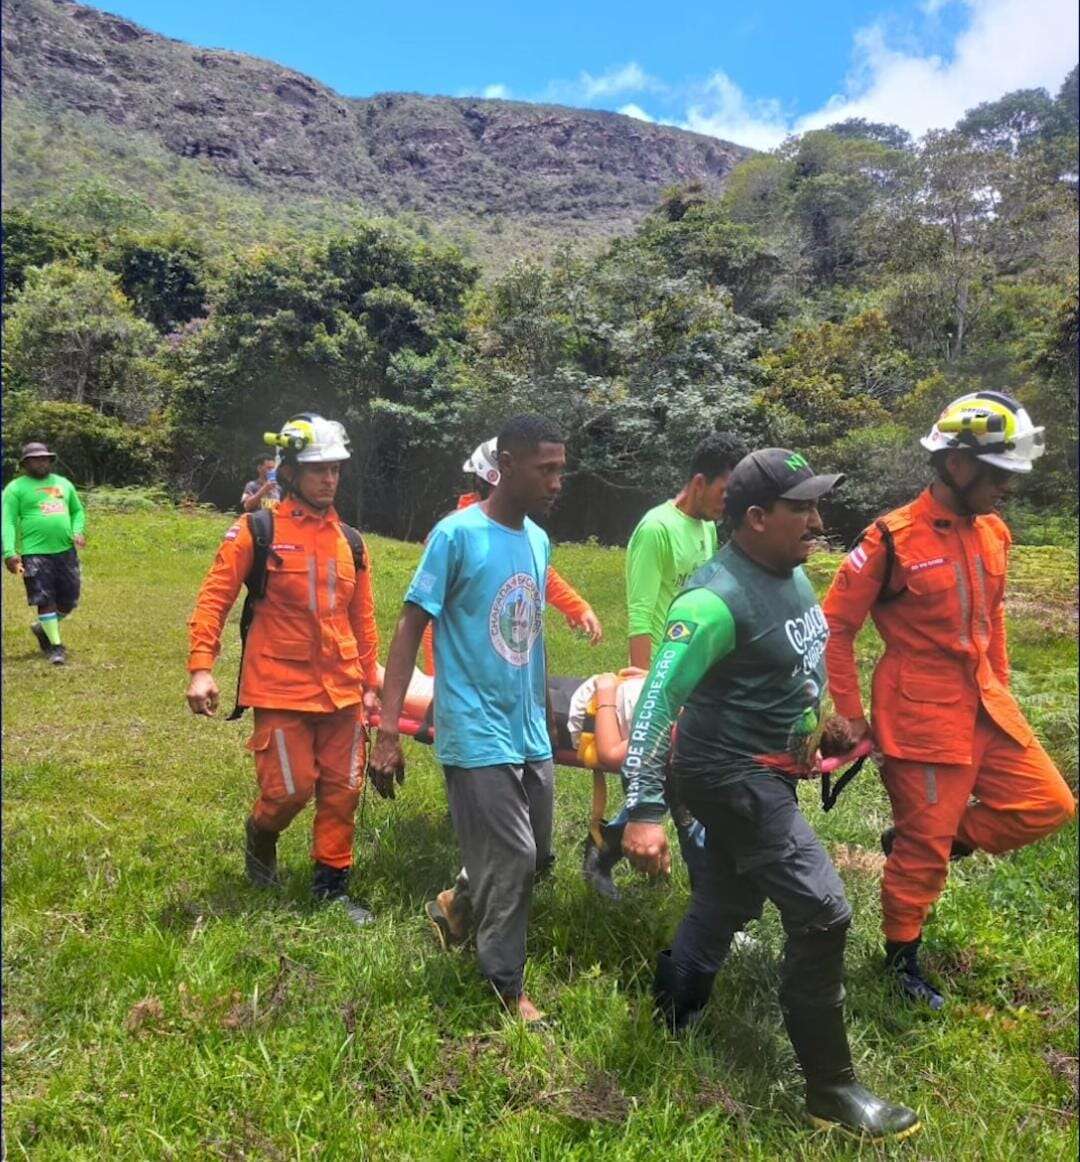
{"type": "Point", "coordinates": [933, 563]}
{"type": "Point", "coordinates": [857, 558]}
{"type": "Point", "coordinates": [284, 548]}
{"type": "Point", "coordinates": [680, 631]}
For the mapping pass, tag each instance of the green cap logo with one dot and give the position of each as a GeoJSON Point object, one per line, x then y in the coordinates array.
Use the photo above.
{"type": "Point", "coordinates": [795, 462]}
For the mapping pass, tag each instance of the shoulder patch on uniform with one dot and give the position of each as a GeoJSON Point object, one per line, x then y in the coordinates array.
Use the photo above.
{"type": "Point", "coordinates": [233, 533]}
{"type": "Point", "coordinates": [857, 558]}
{"type": "Point", "coordinates": [680, 631]}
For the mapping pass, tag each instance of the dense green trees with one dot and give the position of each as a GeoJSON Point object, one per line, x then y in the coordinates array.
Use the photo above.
{"type": "Point", "coordinates": [845, 287]}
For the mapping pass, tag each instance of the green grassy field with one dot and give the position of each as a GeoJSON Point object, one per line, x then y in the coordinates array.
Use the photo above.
{"type": "Point", "coordinates": [155, 1006]}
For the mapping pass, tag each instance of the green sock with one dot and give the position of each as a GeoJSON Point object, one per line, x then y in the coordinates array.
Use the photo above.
{"type": "Point", "coordinates": [50, 623]}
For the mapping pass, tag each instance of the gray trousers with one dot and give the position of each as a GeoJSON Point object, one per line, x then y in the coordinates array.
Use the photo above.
{"type": "Point", "coordinates": [502, 818]}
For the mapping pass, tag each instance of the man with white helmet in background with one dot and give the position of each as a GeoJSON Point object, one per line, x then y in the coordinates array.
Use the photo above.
{"type": "Point", "coordinates": [483, 465]}
{"type": "Point", "coordinates": [961, 765]}
{"type": "Point", "coordinates": [310, 656]}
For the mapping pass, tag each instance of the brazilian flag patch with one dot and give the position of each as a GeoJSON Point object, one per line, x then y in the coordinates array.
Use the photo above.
{"type": "Point", "coordinates": [680, 631]}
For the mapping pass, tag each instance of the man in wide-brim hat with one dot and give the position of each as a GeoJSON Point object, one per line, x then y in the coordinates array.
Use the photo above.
{"type": "Point", "coordinates": [43, 529]}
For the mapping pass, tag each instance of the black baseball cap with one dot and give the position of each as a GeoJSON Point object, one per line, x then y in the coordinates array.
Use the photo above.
{"type": "Point", "coordinates": [774, 474]}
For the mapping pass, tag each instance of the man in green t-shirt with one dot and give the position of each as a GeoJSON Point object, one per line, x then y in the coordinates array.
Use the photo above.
{"type": "Point", "coordinates": [743, 660]}
{"type": "Point", "coordinates": [670, 542]}
{"type": "Point", "coordinates": [43, 523]}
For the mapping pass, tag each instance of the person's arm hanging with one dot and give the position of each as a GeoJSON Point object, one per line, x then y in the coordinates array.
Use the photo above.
{"type": "Point", "coordinates": [700, 631]}
{"type": "Point", "coordinates": [217, 595]}
{"type": "Point", "coordinates": [577, 611]}
{"type": "Point", "coordinates": [365, 630]}
{"type": "Point", "coordinates": [645, 561]}
{"type": "Point", "coordinates": [851, 595]}
{"type": "Point", "coordinates": [997, 651]}
{"type": "Point", "coordinates": [78, 516]}
{"type": "Point", "coordinates": [387, 760]}
{"type": "Point", "coordinates": [9, 503]}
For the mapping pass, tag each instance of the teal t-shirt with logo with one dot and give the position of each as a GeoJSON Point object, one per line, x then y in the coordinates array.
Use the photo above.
{"type": "Point", "coordinates": [483, 584]}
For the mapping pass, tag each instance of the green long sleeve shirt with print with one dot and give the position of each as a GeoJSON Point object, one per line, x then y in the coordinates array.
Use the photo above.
{"type": "Point", "coordinates": [40, 516]}
{"type": "Point", "coordinates": [743, 658]}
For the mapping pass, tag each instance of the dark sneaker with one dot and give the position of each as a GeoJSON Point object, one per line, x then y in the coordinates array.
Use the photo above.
{"type": "Point", "coordinates": [42, 638]}
{"type": "Point", "coordinates": [902, 961]}
{"type": "Point", "coordinates": [57, 655]}
{"type": "Point", "coordinates": [596, 869]}
{"type": "Point", "coordinates": [260, 856]}
{"type": "Point", "coordinates": [328, 887]}
{"type": "Point", "coordinates": [853, 1109]}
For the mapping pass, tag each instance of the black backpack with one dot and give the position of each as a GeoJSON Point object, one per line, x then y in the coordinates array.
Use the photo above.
{"type": "Point", "coordinates": [261, 524]}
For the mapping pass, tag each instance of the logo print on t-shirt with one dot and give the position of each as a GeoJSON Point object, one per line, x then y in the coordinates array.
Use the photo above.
{"type": "Point", "coordinates": [515, 618]}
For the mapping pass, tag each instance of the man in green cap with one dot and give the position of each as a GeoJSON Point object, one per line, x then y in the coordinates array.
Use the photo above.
{"type": "Point", "coordinates": [743, 657]}
{"type": "Point", "coordinates": [43, 526]}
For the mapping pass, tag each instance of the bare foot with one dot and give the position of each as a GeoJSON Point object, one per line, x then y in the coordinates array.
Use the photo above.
{"type": "Point", "coordinates": [524, 1008]}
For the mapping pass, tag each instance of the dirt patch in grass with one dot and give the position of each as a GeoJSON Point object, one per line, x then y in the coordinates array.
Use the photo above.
{"type": "Point", "coordinates": [599, 1098]}
{"type": "Point", "coordinates": [858, 859]}
{"type": "Point", "coordinates": [1068, 1069]}
{"type": "Point", "coordinates": [145, 1015]}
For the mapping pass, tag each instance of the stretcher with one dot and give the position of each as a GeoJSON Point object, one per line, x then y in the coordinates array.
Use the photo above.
{"type": "Point", "coordinates": [583, 756]}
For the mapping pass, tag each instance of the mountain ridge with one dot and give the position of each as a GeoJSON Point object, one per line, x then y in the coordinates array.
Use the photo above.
{"type": "Point", "coordinates": [269, 129]}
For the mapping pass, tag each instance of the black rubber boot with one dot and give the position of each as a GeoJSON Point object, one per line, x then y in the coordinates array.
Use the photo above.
{"type": "Point", "coordinates": [834, 1097]}
{"type": "Point", "coordinates": [328, 887]}
{"type": "Point", "coordinates": [680, 997]}
{"type": "Point", "coordinates": [902, 961]}
{"type": "Point", "coordinates": [957, 851]}
{"type": "Point", "coordinates": [260, 856]}
{"type": "Point", "coordinates": [596, 868]}
{"type": "Point", "coordinates": [41, 637]}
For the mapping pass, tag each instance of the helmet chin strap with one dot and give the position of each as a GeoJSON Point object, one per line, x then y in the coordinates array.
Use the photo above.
{"type": "Point", "coordinates": [962, 494]}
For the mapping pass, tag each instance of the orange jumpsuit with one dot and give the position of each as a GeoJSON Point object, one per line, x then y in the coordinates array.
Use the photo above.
{"type": "Point", "coordinates": [311, 649]}
{"type": "Point", "coordinates": [943, 716]}
{"type": "Point", "coordinates": [559, 593]}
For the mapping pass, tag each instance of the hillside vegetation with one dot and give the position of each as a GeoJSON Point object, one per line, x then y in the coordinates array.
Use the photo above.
{"type": "Point", "coordinates": [507, 175]}
{"type": "Point", "coordinates": [155, 1006]}
{"type": "Point", "coordinates": [832, 296]}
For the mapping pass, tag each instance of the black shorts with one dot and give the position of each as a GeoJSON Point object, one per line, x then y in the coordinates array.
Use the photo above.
{"type": "Point", "coordinates": [53, 579]}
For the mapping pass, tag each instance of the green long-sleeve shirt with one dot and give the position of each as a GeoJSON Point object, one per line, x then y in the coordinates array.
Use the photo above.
{"type": "Point", "coordinates": [40, 516]}
{"type": "Point", "coordinates": [743, 657]}
{"type": "Point", "coordinates": [665, 549]}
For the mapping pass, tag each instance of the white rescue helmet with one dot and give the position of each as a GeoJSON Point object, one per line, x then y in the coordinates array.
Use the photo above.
{"type": "Point", "coordinates": [309, 438]}
{"type": "Point", "coordinates": [484, 462]}
{"type": "Point", "coordinates": [990, 425]}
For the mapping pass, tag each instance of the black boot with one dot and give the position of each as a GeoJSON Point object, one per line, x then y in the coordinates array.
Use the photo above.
{"type": "Point", "coordinates": [597, 866]}
{"type": "Point", "coordinates": [834, 1098]}
{"type": "Point", "coordinates": [328, 887]}
{"type": "Point", "coordinates": [902, 961]}
{"type": "Point", "coordinates": [680, 997]}
{"type": "Point", "coordinates": [957, 851]}
{"type": "Point", "coordinates": [260, 856]}
{"type": "Point", "coordinates": [42, 638]}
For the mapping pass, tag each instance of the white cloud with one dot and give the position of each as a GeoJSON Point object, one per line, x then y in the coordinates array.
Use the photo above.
{"type": "Point", "coordinates": [1006, 45]}
{"type": "Point", "coordinates": [618, 81]}
{"type": "Point", "coordinates": [636, 112]}
{"type": "Point", "coordinates": [495, 93]}
{"type": "Point", "coordinates": [721, 109]}
{"type": "Point", "coordinates": [628, 78]}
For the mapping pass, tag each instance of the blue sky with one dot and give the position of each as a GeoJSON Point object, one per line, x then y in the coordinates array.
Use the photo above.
{"type": "Point", "coordinates": [750, 72]}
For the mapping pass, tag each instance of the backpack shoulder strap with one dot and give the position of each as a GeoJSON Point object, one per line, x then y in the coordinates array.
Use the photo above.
{"type": "Point", "coordinates": [356, 543]}
{"type": "Point", "coordinates": [261, 526]}
{"type": "Point", "coordinates": [888, 543]}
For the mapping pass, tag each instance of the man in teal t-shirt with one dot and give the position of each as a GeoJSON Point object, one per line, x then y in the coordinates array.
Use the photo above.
{"type": "Point", "coordinates": [743, 660]}
{"type": "Point", "coordinates": [43, 525]}
{"type": "Point", "coordinates": [670, 542]}
{"type": "Point", "coordinates": [482, 580]}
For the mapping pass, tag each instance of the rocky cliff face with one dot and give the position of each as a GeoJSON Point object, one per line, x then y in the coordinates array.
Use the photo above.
{"type": "Point", "coordinates": [268, 128]}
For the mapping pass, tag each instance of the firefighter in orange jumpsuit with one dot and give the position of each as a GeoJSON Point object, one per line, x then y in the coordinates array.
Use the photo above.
{"type": "Point", "coordinates": [961, 765]}
{"type": "Point", "coordinates": [309, 662]}
{"type": "Point", "coordinates": [483, 464]}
